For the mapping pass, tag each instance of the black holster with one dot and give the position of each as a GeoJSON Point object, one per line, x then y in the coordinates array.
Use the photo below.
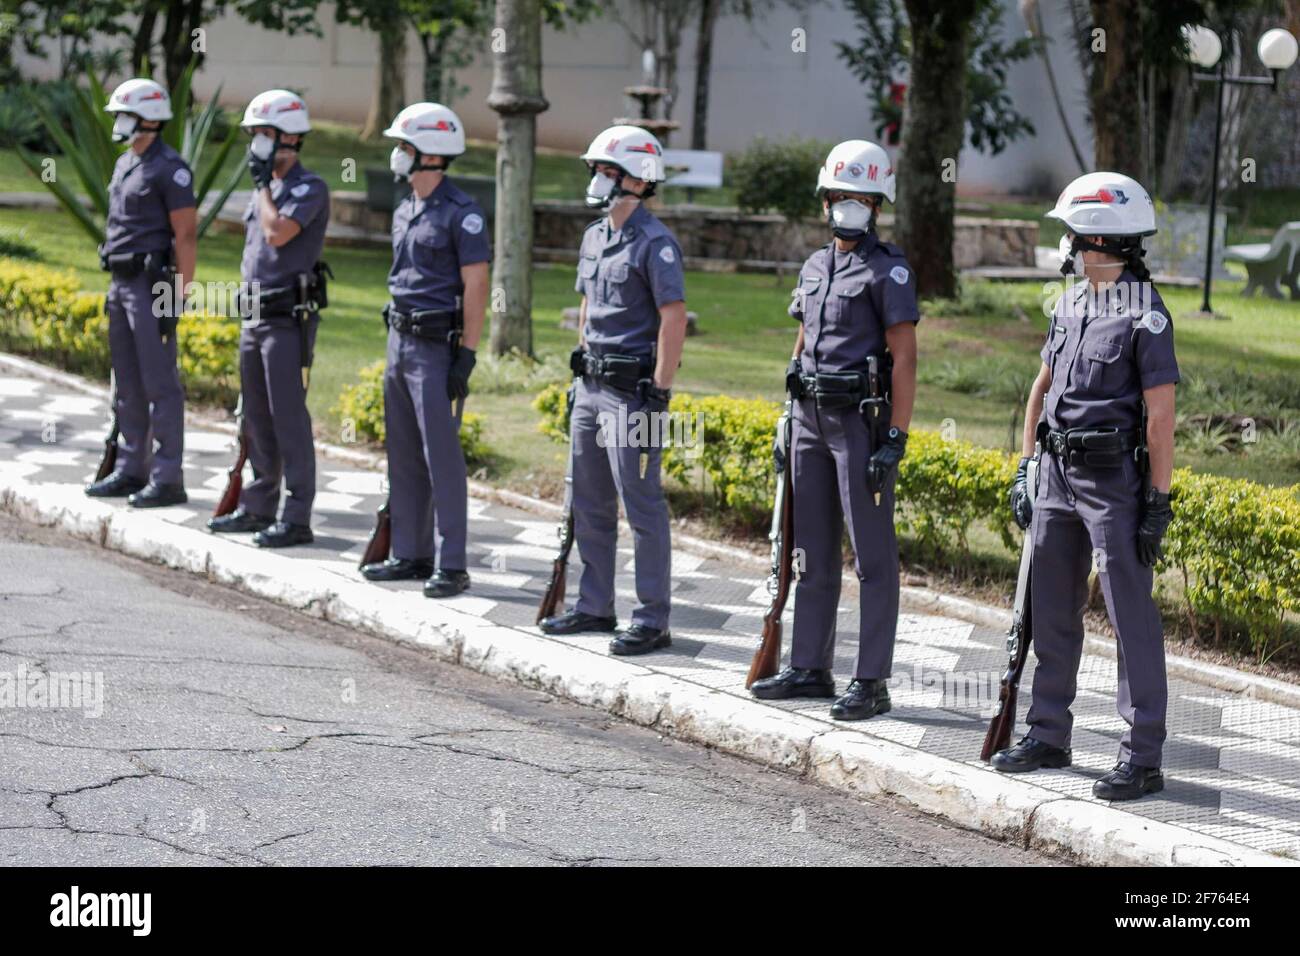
{"type": "Point", "coordinates": [620, 372]}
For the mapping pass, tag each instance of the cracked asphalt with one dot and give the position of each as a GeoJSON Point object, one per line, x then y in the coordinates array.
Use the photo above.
{"type": "Point", "coordinates": [237, 732]}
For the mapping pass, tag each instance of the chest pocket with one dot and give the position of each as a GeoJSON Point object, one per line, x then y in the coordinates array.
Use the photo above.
{"type": "Point", "coordinates": [808, 296]}
{"type": "Point", "coordinates": [1057, 342]}
{"type": "Point", "coordinates": [616, 290]}
{"type": "Point", "coordinates": [1100, 366]}
{"type": "Point", "coordinates": [137, 196]}
{"type": "Point", "coordinates": [846, 305]}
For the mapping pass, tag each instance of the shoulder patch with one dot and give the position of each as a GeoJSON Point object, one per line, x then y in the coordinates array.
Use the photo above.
{"type": "Point", "coordinates": [300, 190]}
{"type": "Point", "coordinates": [667, 254]}
{"type": "Point", "coordinates": [899, 274]}
{"type": "Point", "coordinates": [473, 224]}
{"type": "Point", "coordinates": [1154, 322]}
{"type": "Point", "coordinates": [181, 177]}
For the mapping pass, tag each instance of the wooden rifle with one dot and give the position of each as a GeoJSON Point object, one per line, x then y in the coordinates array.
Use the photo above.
{"type": "Point", "coordinates": [767, 658]}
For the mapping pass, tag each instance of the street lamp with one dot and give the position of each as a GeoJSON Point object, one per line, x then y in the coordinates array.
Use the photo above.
{"type": "Point", "coordinates": [1277, 50]}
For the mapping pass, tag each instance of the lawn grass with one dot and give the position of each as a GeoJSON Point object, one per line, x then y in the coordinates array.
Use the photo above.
{"type": "Point", "coordinates": [977, 354]}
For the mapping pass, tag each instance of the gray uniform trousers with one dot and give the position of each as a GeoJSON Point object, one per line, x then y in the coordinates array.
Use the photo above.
{"type": "Point", "coordinates": [426, 467]}
{"type": "Point", "coordinates": [277, 425]}
{"type": "Point", "coordinates": [607, 469]}
{"type": "Point", "coordinates": [831, 448]}
{"type": "Point", "coordinates": [150, 402]}
{"type": "Point", "coordinates": [1080, 512]}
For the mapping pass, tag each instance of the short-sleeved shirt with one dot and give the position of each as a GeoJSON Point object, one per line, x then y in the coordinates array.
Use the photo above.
{"type": "Point", "coordinates": [303, 197]}
{"type": "Point", "coordinates": [1104, 350]}
{"type": "Point", "coordinates": [432, 239]}
{"type": "Point", "coordinates": [846, 301]}
{"type": "Point", "coordinates": [143, 193]}
{"type": "Point", "coordinates": [627, 276]}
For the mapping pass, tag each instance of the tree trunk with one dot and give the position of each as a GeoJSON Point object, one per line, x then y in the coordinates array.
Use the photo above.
{"type": "Point", "coordinates": [1114, 81]}
{"type": "Point", "coordinates": [433, 48]}
{"type": "Point", "coordinates": [517, 98]}
{"type": "Point", "coordinates": [142, 44]}
{"type": "Point", "coordinates": [703, 69]}
{"type": "Point", "coordinates": [934, 128]}
{"type": "Point", "coordinates": [390, 91]}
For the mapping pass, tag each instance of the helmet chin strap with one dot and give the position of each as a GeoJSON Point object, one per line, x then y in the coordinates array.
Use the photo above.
{"type": "Point", "coordinates": [1123, 248]}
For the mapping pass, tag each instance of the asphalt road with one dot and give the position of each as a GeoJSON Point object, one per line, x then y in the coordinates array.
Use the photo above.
{"type": "Point", "coordinates": [234, 731]}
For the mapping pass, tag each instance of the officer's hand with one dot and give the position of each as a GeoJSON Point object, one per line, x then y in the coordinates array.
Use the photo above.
{"type": "Point", "coordinates": [653, 398]}
{"type": "Point", "coordinates": [885, 461]}
{"type": "Point", "coordinates": [1156, 515]}
{"type": "Point", "coordinates": [1022, 507]}
{"type": "Point", "coordinates": [792, 378]}
{"type": "Point", "coordinates": [458, 374]}
{"type": "Point", "coordinates": [260, 170]}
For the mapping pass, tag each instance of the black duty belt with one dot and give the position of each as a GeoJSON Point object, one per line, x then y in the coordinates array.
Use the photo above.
{"type": "Point", "coordinates": [431, 324]}
{"type": "Point", "coordinates": [1092, 447]}
{"type": "Point", "coordinates": [307, 294]}
{"type": "Point", "coordinates": [617, 371]}
{"type": "Point", "coordinates": [128, 264]}
{"type": "Point", "coordinates": [842, 389]}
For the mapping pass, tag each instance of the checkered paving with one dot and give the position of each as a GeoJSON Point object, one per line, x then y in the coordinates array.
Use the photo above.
{"type": "Point", "coordinates": [1232, 764]}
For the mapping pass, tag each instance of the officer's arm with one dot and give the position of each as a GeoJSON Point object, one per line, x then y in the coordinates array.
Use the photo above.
{"type": "Point", "coordinates": [474, 302]}
{"type": "Point", "coordinates": [798, 343]}
{"type": "Point", "coordinates": [1160, 434]}
{"type": "Point", "coordinates": [672, 333]}
{"type": "Point", "coordinates": [276, 229]}
{"type": "Point", "coordinates": [185, 236]}
{"type": "Point", "coordinates": [582, 322]}
{"type": "Point", "coordinates": [901, 339]}
{"type": "Point", "coordinates": [1034, 409]}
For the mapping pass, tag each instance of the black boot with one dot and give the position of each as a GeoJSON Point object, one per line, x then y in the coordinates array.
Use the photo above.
{"type": "Point", "coordinates": [1128, 782]}
{"type": "Point", "coordinates": [446, 583]}
{"type": "Point", "coordinates": [864, 698]}
{"type": "Point", "coordinates": [639, 639]}
{"type": "Point", "coordinates": [239, 522]}
{"type": "Point", "coordinates": [1030, 754]}
{"type": "Point", "coordinates": [282, 534]}
{"type": "Point", "coordinates": [116, 485]}
{"type": "Point", "coordinates": [159, 496]}
{"type": "Point", "coordinates": [795, 682]}
{"type": "Point", "coordinates": [576, 622]}
{"type": "Point", "coordinates": [398, 569]}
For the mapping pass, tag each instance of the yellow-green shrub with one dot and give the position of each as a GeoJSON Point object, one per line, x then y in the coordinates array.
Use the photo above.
{"type": "Point", "coordinates": [361, 406]}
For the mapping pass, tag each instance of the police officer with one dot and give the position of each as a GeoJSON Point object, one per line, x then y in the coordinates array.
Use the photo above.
{"type": "Point", "coordinates": [284, 230]}
{"type": "Point", "coordinates": [439, 285]}
{"type": "Point", "coordinates": [856, 299]}
{"type": "Point", "coordinates": [632, 325]}
{"type": "Point", "coordinates": [151, 235]}
{"type": "Point", "coordinates": [1103, 498]}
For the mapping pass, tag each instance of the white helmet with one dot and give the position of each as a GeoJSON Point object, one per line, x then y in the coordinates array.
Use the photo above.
{"type": "Point", "coordinates": [632, 149]}
{"type": "Point", "coordinates": [279, 109]}
{"type": "Point", "coordinates": [857, 166]}
{"type": "Point", "coordinates": [1105, 204]}
{"type": "Point", "coordinates": [143, 97]}
{"type": "Point", "coordinates": [433, 129]}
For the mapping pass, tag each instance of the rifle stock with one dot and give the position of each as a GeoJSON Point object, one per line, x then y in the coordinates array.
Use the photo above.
{"type": "Point", "coordinates": [553, 599]}
{"type": "Point", "coordinates": [108, 461]}
{"type": "Point", "coordinates": [229, 500]}
{"type": "Point", "coordinates": [381, 539]}
{"type": "Point", "coordinates": [767, 658]}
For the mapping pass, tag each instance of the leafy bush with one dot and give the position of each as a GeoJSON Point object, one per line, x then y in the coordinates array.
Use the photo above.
{"type": "Point", "coordinates": [779, 176]}
{"type": "Point", "coordinates": [362, 406]}
{"type": "Point", "coordinates": [14, 244]}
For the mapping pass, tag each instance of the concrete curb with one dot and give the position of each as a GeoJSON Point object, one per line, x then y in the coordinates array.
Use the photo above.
{"type": "Point", "coordinates": [967, 795]}
{"type": "Point", "coordinates": [918, 599]}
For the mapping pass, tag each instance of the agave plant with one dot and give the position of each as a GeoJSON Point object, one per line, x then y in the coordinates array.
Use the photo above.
{"type": "Point", "coordinates": [89, 148]}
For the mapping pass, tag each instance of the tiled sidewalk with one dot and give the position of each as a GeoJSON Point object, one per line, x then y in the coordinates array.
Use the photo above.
{"type": "Point", "coordinates": [1232, 764]}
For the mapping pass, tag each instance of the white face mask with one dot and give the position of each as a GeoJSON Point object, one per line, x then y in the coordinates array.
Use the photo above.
{"type": "Point", "coordinates": [400, 162]}
{"type": "Point", "coordinates": [599, 189]}
{"type": "Point", "coordinates": [850, 217]}
{"type": "Point", "coordinates": [262, 146]}
{"type": "Point", "coordinates": [124, 128]}
{"type": "Point", "coordinates": [1071, 263]}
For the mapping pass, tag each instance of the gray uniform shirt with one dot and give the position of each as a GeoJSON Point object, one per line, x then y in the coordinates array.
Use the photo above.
{"type": "Point", "coordinates": [432, 238]}
{"type": "Point", "coordinates": [1104, 351]}
{"type": "Point", "coordinates": [143, 193]}
{"type": "Point", "coordinates": [303, 197]}
{"type": "Point", "coordinates": [846, 300]}
{"type": "Point", "coordinates": [627, 276]}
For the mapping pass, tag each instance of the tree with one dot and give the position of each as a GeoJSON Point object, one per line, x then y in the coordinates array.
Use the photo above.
{"type": "Point", "coordinates": [388, 21]}
{"type": "Point", "coordinates": [450, 33]}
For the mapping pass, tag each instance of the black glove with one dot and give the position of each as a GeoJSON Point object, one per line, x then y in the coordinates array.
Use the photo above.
{"type": "Point", "coordinates": [1022, 507]}
{"type": "Point", "coordinates": [885, 461]}
{"type": "Point", "coordinates": [260, 169]}
{"type": "Point", "coordinates": [653, 398]}
{"type": "Point", "coordinates": [458, 374]}
{"type": "Point", "coordinates": [794, 379]}
{"type": "Point", "coordinates": [1156, 515]}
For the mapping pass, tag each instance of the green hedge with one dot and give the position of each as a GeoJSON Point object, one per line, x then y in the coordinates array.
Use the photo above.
{"type": "Point", "coordinates": [1234, 543]}
{"type": "Point", "coordinates": [361, 406]}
